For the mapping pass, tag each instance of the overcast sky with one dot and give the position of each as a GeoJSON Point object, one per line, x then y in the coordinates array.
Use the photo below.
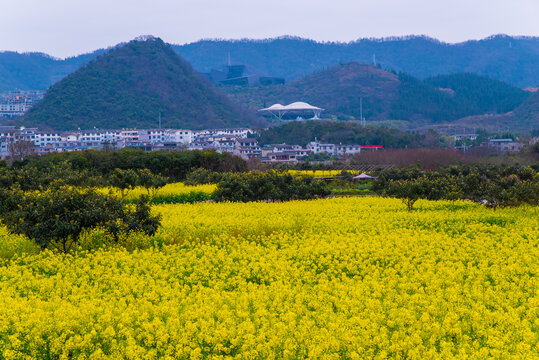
{"type": "Point", "coordinates": [70, 27]}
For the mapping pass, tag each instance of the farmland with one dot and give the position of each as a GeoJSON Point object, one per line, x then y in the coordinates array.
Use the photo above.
{"type": "Point", "coordinates": [331, 278]}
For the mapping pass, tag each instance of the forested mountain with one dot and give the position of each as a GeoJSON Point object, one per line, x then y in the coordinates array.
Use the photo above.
{"type": "Point", "coordinates": [129, 86]}
{"type": "Point", "coordinates": [386, 95]}
{"type": "Point", "coordinates": [514, 60]}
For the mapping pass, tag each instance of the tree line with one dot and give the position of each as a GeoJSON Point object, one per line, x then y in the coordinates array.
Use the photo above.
{"type": "Point", "coordinates": [493, 186]}
{"type": "Point", "coordinates": [98, 168]}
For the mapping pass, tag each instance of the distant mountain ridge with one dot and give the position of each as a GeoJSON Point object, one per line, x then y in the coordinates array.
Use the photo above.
{"type": "Point", "coordinates": [37, 71]}
{"type": "Point", "coordinates": [513, 59]}
{"type": "Point", "coordinates": [132, 85]}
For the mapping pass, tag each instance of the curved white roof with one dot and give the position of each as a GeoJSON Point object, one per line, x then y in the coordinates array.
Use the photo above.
{"type": "Point", "coordinates": [276, 107]}
{"type": "Point", "coordinates": [299, 105]}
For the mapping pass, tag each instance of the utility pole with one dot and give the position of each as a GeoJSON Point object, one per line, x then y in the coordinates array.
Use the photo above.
{"type": "Point", "coordinates": [361, 108]}
{"type": "Point", "coordinates": [160, 120]}
{"type": "Point", "coordinates": [361, 118]}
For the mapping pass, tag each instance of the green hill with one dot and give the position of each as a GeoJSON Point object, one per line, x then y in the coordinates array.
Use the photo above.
{"type": "Point", "coordinates": [129, 86]}
{"type": "Point", "coordinates": [337, 89]}
{"type": "Point", "coordinates": [527, 114]}
{"type": "Point", "coordinates": [388, 96]}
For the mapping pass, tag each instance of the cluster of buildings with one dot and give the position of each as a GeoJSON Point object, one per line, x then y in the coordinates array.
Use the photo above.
{"type": "Point", "coordinates": [238, 141]}
{"type": "Point", "coordinates": [499, 146]}
{"type": "Point", "coordinates": [16, 103]}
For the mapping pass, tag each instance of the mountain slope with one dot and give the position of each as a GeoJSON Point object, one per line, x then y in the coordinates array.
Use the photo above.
{"type": "Point", "coordinates": [387, 96]}
{"type": "Point", "coordinates": [337, 89]}
{"type": "Point", "coordinates": [527, 114]}
{"type": "Point", "coordinates": [129, 86]}
{"type": "Point", "coordinates": [482, 94]}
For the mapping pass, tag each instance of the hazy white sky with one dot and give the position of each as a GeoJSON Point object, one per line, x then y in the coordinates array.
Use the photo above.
{"type": "Point", "coordinates": [70, 27]}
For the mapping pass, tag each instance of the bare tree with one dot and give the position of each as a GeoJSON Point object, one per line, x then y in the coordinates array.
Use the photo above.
{"type": "Point", "coordinates": [21, 149]}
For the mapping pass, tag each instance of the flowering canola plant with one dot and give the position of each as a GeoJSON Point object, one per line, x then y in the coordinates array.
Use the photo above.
{"type": "Point", "coordinates": [167, 190]}
{"type": "Point", "coordinates": [321, 173]}
{"type": "Point", "coordinates": [342, 278]}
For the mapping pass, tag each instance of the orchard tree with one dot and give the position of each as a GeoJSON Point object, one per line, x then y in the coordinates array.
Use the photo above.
{"type": "Point", "coordinates": [151, 182]}
{"type": "Point", "coordinates": [58, 217]}
{"type": "Point", "coordinates": [125, 180]}
{"type": "Point", "coordinates": [409, 191]}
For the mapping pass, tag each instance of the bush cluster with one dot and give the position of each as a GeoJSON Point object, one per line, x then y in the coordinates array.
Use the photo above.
{"type": "Point", "coordinates": [202, 176]}
{"type": "Point", "coordinates": [268, 186]}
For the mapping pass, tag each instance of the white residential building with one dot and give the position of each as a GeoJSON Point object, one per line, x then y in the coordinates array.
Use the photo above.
{"type": "Point", "coordinates": [129, 136]}
{"type": "Point", "coordinates": [184, 137]}
{"type": "Point", "coordinates": [347, 149]}
{"type": "Point", "coordinates": [317, 147]}
{"type": "Point", "coordinates": [12, 110]}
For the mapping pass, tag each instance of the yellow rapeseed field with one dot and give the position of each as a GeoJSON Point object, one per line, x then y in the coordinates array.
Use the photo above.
{"type": "Point", "coordinates": [321, 173]}
{"type": "Point", "coordinates": [343, 278]}
{"type": "Point", "coordinates": [167, 190]}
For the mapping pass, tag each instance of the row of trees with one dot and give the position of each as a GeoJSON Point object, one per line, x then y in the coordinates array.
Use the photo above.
{"type": "Point", "coordinates": [489, 185]}
{"type": "Point", "coordinates": [174, 165]}
{"type": "Point", "coordinates": [58, 175]}
{"type": "Point", "coordinates": [123, 168]}
{"type": "Point", "coordinates": [301, 133]}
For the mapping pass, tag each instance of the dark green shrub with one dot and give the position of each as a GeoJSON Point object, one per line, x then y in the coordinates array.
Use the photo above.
{"type": "Point", "coordinates": [202, 176]}
{"type": "Point", "coordinates": [268, 186]}
{"type": "Point", "coordinates": [58, 217]}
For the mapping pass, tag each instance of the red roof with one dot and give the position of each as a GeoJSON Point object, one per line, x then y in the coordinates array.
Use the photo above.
{"type": "Point", "coordinates": [371, 146]}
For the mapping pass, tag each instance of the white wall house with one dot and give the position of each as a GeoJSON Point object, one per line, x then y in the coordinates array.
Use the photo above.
{"type": "Point", "coordinates": [318, 147]}
{"type": "Point", "coordinates": [47, 138]}
{"type": "Point", "coordinates": [179, 136]}
{"type": "Point", "coordinates": [347, 149]}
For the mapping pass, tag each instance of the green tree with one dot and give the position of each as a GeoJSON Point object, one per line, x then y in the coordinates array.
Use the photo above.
{"type": "Point", "coordinates": [125, 180]}
{"type": "Point", "coordinates": [151, 182]}
{"type": "Point", "coordinates": [58, 217]}
{"type": "Point", "coordinates": [409, 191]}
